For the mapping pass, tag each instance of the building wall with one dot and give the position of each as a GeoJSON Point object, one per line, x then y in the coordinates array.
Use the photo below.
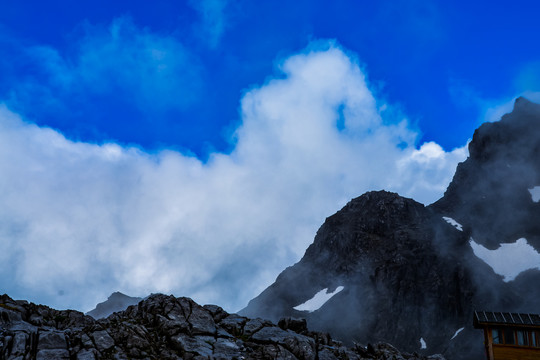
{"type": "Point", "coordinates": [507, 352]}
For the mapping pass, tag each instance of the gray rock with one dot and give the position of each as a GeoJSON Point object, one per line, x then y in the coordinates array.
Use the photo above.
{"type": "Point", "coordinates": [280, 353]}
{"type": "Point", "coordinates": [20, 340]}
{"type": "Point", "coordinates": [200, 345]}
{"type": "Point", "coordinates": [148, 331]}
{"type": "Point", "coordinates": [103, 340]}
{"type": "Point", "coordinates": [201, 321]}
{"type": "Point", "coordinates": [9, 315]}
{"type": "Point", "coordinates": [301, 346]}
{"type": "Point", "coordinates": [135, 341]}
{"type": "Point", "coordinates": [226, 349]}
{"type": "Point", "coordinates": [252, 326]}
{"type": "Point", "coordinates": [23, 326]}
{"type": "Point", "coordinates": [120, 355]}
{"type": "Point", "coordinates": [222, 333]}
{"type": "Point", "coordinates": [217, 312]}
{"type": "Point", "coordinates": [87, 354]}
{"type": "Point", "coordinates": [296, 325]}
{"type": "Point", "coordinates": [87, 342]}
{"type": "Point", "coordinates": [52, 354]}
{"type": "Point", "coordinates": [271, 334]}
{"type": "Point", "coordinates": [326, 354]}
{"type": "Point", "coordinates": [52, 340]}
{"type": "Point", "coordinates": [36, 319]}
{"type": "Point", "coordinates": [234, 324]}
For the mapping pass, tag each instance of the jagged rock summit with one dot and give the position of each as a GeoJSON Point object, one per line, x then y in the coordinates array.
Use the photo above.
{"type": "Point", "coordinates": [490, 192]}
{"type": "Point", "coordinates": [397, 286]}
{"type": "Point", "coordinates": [115, 302]}
{"type": "Point", "coordinates": [166, 327]}
{"type": "Point", "coordinates": [389, 268]}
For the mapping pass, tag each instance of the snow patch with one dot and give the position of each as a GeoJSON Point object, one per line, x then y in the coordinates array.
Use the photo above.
{"type": "Point", "coordinates": [318, 300]}
{"type": "Point", "coordinates": [423, 343]}
{"type": "Point", "coordinates": [509, 260]}
{"type": "Point", "coordinates": [453, 222]}
{"type": "Point", "coordinates": [456, 333]}
{"type": "Point", "coordinates": [535, 193]}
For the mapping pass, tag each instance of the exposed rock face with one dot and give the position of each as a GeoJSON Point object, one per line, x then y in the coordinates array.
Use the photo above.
{"type": "Point", "coordinates": [489, 192]}
{"type": "Point", "coordinates": [116, 302]}
{"type": "Point", "coordinates": [166, 327]}
{"type": "Point", "coordinates": [411, 278]}
{"type": "Point", "coordinates": [490, 195]}
{"type": "Point", "coordinates": [398, 286]}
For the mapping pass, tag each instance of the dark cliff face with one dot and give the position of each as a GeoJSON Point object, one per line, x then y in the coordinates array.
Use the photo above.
{"type": "Point", "coordinates": [489, 193]}
{"type": "Point", "coordinates": [166, 327]}
{"type": "Point", "coordinates": [407, 273]}
{"type": "Point", "coordinates": [400, 265]}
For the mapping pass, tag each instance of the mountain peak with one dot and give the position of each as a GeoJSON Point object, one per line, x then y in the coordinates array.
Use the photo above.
{"type": "Point", "coordinates": [523, 104]}
{"type": "Point", "coordinates": [491, 189]}
{"type": "Point", "coordinates": [117, 295]}
{"type": "Point", "coordinates": [412, 275]}
{"type": "Point", "coordinates": [115, 302]}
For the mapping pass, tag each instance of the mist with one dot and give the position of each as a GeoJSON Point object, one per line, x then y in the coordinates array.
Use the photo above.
{"type": "Point", "coordinates": [81, 220]}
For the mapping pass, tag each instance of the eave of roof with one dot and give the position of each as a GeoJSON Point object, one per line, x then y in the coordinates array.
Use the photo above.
{"type": "Point", "coordinates": [491, 318]}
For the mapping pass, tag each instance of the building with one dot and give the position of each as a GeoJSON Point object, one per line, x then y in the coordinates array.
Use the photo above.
{"type": "Point", "coordinates": [509, 336]}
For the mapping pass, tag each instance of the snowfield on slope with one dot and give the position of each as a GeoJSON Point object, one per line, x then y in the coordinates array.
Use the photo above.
{"type": "Point", "coordinates": [509, 260]}
{"type": "Point", "coordinates": [318, 300]}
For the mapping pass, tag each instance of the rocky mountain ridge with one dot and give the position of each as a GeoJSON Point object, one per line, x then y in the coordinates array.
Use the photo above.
{"type": "Point", "coordinates": [408, 273]}
{"type": "Point", "coordinates": [115, 302]}
{"type": "Point", "coordinates": [490, 191]}
{"type": "Point", "coordinates": [166, 327]}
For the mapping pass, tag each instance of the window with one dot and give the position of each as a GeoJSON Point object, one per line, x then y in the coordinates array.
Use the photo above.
{"type": "Point", "coordinates": [522, 338]}
{"type": "Point", "coordinates": [533, 338]}
{"type": "Point", "coordinates": [509, 337]}
{"type": "Point", "coordinates": [497, 336]}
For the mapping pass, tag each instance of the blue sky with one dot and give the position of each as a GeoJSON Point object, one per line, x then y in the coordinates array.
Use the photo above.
{"type": "Point", "coordinates": [74, 66]}
{"type": "Point", "coordinates": [170, 147]}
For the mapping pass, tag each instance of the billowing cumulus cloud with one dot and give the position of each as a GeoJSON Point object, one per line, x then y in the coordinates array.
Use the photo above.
{"type": "Point", "coordinates": [83, 220]}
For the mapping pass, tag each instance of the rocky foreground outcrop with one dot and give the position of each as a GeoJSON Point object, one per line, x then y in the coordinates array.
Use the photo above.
{"type": "Point", "coordinates": [166, 327]}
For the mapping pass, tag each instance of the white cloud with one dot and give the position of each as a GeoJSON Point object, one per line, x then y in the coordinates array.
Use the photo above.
{"type": "Point", "coordinates": [154, 71]}
{"type": "Point", "coordinates": [213, 20]}
{"type": "Point", "coordinates": [90, 219]}
{"type": "Point", "coordinates": [432, 167]}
